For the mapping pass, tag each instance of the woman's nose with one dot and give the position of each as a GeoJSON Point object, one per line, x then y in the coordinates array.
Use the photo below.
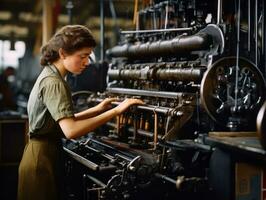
{"type": "Point", "coordinates": [87, 61]}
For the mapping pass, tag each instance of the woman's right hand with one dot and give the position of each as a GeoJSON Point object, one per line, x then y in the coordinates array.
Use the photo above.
{"type": "Point", "coordinates": [124, 105]}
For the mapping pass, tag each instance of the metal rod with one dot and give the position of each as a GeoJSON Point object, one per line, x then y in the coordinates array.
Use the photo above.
{"type": "Point", "coordinates": [249, 25]}
{"type": "Point", "coordinates": [118, 125]}
{"type": "Point", "coordinates": [198, 109]}
{"type": "Point", "coordinates": [149, 93]}
{"type": "Point", "coordinates": [135, 125]}
{"type": "Point", "coordinates": [155, 138]}
{"type": "Point", "coordinates": [95, 180]}
{"type": "Point", "coordinates": [113, 149]}
{"type": "Point", "coordinates": [109, 157]}
{"type": "Point", "coordinates": [166, 178]}
{"type": "Point", "coordinates": [102, 29]}
{"type": "Point", "coordinates": [237, 53]}
{"type": "Point", "coordinates": [264, 35]}
{"type": "Point", "coordinates": [158, 30]}
{"type": "Point", "coordinates": [164, 110]}
{"type": "Point", "coordinates": [123, 157]}
{"type": "Point", "coordinates": [166, 16]}
{"type": "Point", "coordinates": [82, 160]}
{"type": "Point", "coordinates": [154, 19]}
{"type": "Point", "coordinates": [256, 32]}
{"type": "Point", "coordinates": [137, 22]}
{"type": "Point", "coordinates": [263, 29]}
{"type": "Point", "coordinates": [219, 11]}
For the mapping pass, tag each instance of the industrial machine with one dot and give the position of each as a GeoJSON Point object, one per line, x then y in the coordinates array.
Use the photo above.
{"type": "Point", "coordinates": [198, 65]}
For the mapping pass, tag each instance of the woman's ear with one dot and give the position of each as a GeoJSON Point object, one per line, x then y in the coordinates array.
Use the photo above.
{"type": "Point", "coordinates": [61, 53]}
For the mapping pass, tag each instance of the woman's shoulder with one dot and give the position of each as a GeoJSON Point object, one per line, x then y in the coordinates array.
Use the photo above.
{"type": "Point", "coordinates": [48, 75]}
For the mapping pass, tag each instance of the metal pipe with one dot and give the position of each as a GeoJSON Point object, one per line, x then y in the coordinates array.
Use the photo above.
{"type": "Point", "coordinates": [179, 45]}
{"type": "Point", "coordinates": [183, 74]}
{"type": "Point", "coordinates": [175, 74]}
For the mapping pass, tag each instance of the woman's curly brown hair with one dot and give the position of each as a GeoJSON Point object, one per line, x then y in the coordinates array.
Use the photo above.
{"type": "Point", "coordinates": [70, 38]}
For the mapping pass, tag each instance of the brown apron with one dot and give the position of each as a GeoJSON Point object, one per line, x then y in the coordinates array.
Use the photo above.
{"type": "Point", "coordinates": [39, 170]}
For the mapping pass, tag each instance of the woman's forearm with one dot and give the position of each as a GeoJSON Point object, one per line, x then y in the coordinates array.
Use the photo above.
{"type": "Point", "coordinates": [88, 113]}
{"type": "Point", "coordinates": [74, 128]}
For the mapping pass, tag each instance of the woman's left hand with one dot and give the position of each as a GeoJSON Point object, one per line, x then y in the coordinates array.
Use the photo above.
{"type": "Point", "coordinates": [106, 104]}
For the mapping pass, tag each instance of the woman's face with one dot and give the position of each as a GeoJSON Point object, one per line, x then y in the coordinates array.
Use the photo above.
{"type": "Point", "coordinates": [78, 61]}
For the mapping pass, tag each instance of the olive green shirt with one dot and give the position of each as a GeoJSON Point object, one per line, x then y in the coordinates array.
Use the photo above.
{"type": "Point", "coordinates": [50, 100]}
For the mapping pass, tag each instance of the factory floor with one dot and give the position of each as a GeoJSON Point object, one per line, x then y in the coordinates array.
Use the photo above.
{"type": "Point", "coordinates": [8, 181]}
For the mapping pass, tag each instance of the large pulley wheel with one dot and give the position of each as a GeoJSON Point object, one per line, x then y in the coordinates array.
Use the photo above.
{"type": "Point", "coordinates": [232, 95]}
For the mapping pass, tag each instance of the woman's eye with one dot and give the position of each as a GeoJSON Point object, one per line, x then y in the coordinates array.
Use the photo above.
{"type": "Point", "coordinates": [83, 56]}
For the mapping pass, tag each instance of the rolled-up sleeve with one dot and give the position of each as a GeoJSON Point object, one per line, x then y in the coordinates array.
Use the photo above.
{"type": "Point", "coordinates": [57, 98]}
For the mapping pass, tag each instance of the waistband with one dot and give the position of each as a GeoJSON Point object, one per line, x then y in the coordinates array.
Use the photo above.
{"type": "Point", "coordinates": [44, 137]}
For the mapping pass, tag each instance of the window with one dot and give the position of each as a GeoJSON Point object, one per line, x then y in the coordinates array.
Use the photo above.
{"type": "Point", "coordinates": [11, 57]}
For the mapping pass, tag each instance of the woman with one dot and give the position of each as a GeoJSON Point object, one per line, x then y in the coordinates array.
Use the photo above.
{"type": "Point", "coordinates": [51, 116]}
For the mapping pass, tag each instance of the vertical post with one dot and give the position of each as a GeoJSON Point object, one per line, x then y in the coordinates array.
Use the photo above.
{"type": "Point", "coordinates": [102, 30]}
{"type": "Point", "coordinates": [219, 11]}
{"type": "Point", "coordinates": [69, 7]}
{"type": "Point", "coordinates": [47, 20]}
